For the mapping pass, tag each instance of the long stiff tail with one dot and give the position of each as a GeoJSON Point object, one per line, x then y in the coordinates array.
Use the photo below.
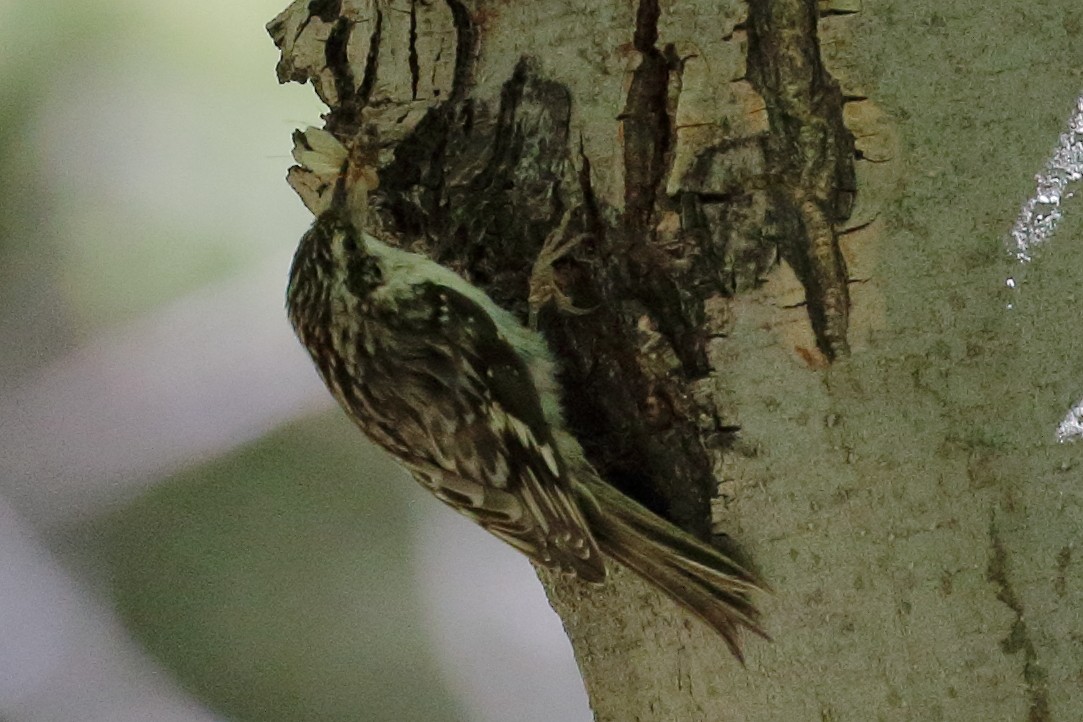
{"type": "Point", "coordinates": [702, 579]}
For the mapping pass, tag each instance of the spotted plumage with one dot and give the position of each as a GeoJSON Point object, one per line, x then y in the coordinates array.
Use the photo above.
{"type": "Point", "coordinates": [466, 398]}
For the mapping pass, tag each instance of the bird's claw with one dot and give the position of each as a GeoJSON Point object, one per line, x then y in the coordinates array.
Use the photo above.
{"type": "Point", "coordinates": [544, 288]}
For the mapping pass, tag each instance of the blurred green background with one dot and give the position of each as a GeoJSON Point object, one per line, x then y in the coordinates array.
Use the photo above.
{"type": "Point", "coordinates": [167, 457]}
{"type": "Point", "coordinates": [278, 581]}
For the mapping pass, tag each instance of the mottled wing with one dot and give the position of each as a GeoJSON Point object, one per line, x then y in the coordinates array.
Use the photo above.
{"type": "Point", "coordinates": [481, 443]}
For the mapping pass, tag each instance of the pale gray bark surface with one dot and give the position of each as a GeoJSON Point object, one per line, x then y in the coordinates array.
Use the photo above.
{"type": "Point", "coordinates": [907, 503]}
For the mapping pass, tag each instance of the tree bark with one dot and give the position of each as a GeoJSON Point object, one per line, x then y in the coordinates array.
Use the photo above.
{"type": "Point", "coordinates": [779, 332]}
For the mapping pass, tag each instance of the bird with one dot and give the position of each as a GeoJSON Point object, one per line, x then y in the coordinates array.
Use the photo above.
{"type": "Point", "coordinates": [466, 398]}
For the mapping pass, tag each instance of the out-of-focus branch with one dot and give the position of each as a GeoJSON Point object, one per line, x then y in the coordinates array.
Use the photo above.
{"type": "Point", "coordinates": [185, 383]}
{"type": "Point", "coordinates": [65, 656]}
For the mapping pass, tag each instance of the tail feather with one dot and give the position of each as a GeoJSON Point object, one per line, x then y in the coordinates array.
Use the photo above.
{"type": "Point", "coordinates": [702, 579]}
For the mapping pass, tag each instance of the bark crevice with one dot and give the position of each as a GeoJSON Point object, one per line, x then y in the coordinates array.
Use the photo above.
{"type": "Point", "coordinates": [1018, 639]}
{"type": "Point", "coordinates": [810, 159]}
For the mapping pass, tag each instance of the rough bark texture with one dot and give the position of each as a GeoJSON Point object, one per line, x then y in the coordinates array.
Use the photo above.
{"type": "Point", "coordinates": [780, 346]}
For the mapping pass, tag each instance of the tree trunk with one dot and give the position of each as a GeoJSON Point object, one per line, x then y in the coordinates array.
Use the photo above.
{"type": "Point", "coordinates": [774, 328]}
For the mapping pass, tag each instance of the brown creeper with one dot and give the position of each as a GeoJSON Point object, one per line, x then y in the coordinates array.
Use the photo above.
{"type": "Point", "coordinates": [466, 398]}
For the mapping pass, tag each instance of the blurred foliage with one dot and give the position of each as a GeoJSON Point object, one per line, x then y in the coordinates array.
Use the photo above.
{"type": "Point", "coordinates": [278, 583]}
{"type": "Point", "coordinates": [144, 148]}
{"type": "Point", "coordinates": [32, 322]}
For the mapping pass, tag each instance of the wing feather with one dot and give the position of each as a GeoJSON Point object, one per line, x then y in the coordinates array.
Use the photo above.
{"type": "Point", "coordinates": [486, 447]}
